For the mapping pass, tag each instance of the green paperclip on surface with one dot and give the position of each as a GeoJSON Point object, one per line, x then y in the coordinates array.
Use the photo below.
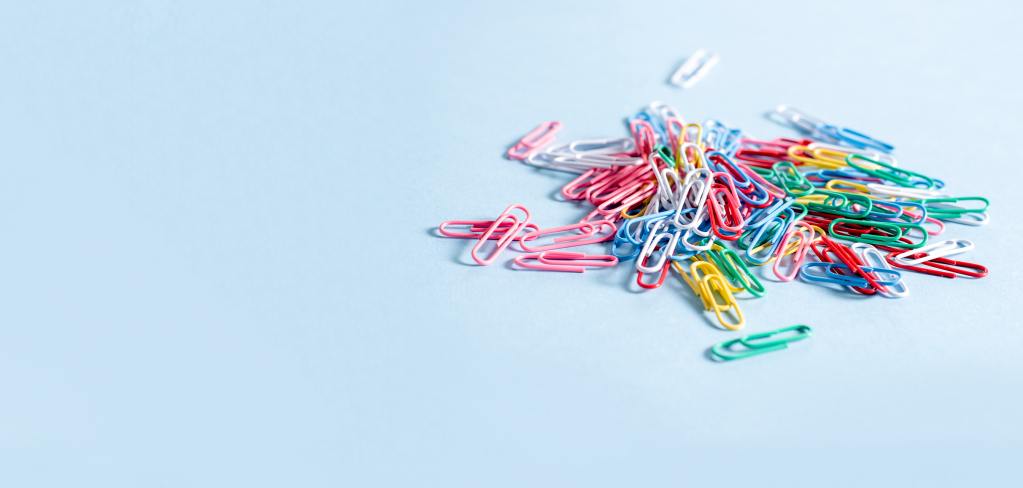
{"type": "Point", "coordinates": [755, 346]}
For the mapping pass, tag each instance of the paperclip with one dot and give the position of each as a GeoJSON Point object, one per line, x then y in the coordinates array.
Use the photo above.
{"type": "Point", "coordinates": [939, 249]}
{"type": "Point", "coordinates": [509, 235]}
{"type": "Point", "coordinates": [801, 251]}
{"type": "Point", "coordinates": [695, 67]}
{"type": "Point", "coordinates": [831, 276]}
{"type": "Point", "coordinates": [573, 262]}
{"type": "Point", "coordinates": [750, 341]}
{"type": "Point", "coordinates": [868, 250]}
{"type": "Point", "coordinates": [651, 286]}
{"type": "Point", "coordinates": [941, 269]}
{"type": "Point", "coordinates": [734, 262]}
{"type": "Point", "coordinates": [648, 248]}
{"type": "Point", "coordinates": [539, 137]}
{"type": "Point", "coordinates": [478, 227]}
{"type": "Point", "coordinates": [887, 240]}
{"type": "Point", "coordinates": [588, 229]}
{"type": "Point", "coordinates": [712, 282]}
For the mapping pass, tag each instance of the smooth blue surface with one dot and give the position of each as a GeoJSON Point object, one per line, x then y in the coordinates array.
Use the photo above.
{"type": "Point", "coordinates": [220, 264]}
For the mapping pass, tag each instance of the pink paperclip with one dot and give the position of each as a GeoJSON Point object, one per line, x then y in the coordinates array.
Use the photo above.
{"type": "Point", "coordinates": [509, 236]}
{"type": "Point", "coordinates": [588, 229]}
{"type": "Point", "coordinates": [572, 262]}
{"type": "Point", "coordinates": [593, 175]}
{"type": "Point", "coordinates": [478, 227]}
{"type": "Point", "coordinates": [644, 135]}
{"type": "Point", "coordinates": [801, 250]}
{"type": "Point", "coordinates": [541, 136]}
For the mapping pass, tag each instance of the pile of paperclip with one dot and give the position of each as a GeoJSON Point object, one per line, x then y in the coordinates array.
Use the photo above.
{"type": "Point", "coordinates": [674, 195]}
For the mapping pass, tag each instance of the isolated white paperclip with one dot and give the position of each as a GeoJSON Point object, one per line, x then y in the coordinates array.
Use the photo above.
{"type": "Point", "coordinates": [694, 68]}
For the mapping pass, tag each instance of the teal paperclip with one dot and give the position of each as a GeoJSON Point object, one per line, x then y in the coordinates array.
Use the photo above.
{"type": "Point", "coordinates": [755, 346]}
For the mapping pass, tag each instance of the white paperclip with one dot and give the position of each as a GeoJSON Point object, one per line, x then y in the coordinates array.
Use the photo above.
{"type": "Point", "coordinates": [866, 249]}
{"type": "Point", "coordinates": [651, 242]}
{"type": "Point", "coordinates": [624, 145]}
{"type": "Point", "coordinates": [900, 191]}
{"type": "Point", "coordinates": [694, 68]}
{"type": "Point", "coordinates": [665, 110]}
{"type": "Point", "coordinates": [934, 251]}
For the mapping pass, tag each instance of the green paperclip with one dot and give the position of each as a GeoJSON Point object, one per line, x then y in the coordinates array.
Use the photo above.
{"type": "Point", "coordinates": [665, 153]}
{"type": "Point", "coordinates": [895, 175]}
{"type": "Point", "coordinates": [891, 240]}
{"type": "Point", "coordinates": [766, 173]}
{"type": "Point", "coordinates": [730, 274]}
{"type": "Point", "coordinates": [844, 208]}
{"type": "Point", "coordinates": [792, 181]}
{"type": "Point", "coordinates": [722, 350]}
{"type": "Point", "coordinates": [733, 262]}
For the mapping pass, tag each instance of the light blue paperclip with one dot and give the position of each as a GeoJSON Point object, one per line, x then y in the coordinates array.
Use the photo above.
{"type": "Point", "coordinates": [854, 281]}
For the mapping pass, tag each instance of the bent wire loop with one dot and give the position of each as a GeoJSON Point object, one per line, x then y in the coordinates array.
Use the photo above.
{"type": "Point", "coordinates": [590, 235]}
{"type": "Point", "coordinates": [539, 137]}
{"type": "Point", "coordinates": [573, 262]}
{"type": "Point", "coordinates": [694, 68]}
{"type": "Point", "coordinates": [478, 227]}
{"type": "Point", "coordinates": [515, 226]}
{"type": "Point", "coordinates": [866, 253]}
{"type": "Point", "coordinates": [945, 268]}
{"type": "Point", "coordinates": [755, 345]}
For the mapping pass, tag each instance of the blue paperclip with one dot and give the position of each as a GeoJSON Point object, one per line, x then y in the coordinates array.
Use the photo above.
{"type": "Point", "coordinates": [625, 257]}
{"type": "Point", "coordinates": [775, 239]}
{"type": "Point", "coordinates": [733, 142]}
{"type": "Point", "coordinates": [766, 214]}
{"type": "Point", "coordinates": [725, 165]}
{"type": "Point", "coordinates": [833, 277]}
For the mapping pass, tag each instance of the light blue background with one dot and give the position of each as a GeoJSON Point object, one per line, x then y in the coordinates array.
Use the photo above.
{"type": "Point", "coordinates": [219, 264]}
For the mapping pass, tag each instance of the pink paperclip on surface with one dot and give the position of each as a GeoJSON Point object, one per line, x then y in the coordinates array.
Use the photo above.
{"type": "Point", "coordinates": [478, 227]}
{"type": "Point", "coordinates": [514, 228]}
{"type": "Point", "coordinates": [572, 262]}
{"type": "Point", "coordinates": [541, 136]}
{"type": "Point", "coordinates": [577, 259]}
{"type": "Point", "coordinates": [588, 229]}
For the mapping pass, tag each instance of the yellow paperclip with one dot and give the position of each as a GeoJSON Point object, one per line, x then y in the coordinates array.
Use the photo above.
{"type": "Point", "coordinates": [857, 188]}
{"type": "Point", "coordinates": [709, 286]}
{"type": "Point", "coordinates": [830, 155]}
{"type": "Point", "coordinates": [696, 289]}
{"type": "Point", "coordinates": [706, 258]}
{"type": "Point", "coordinates": [699, 134]}
{"type": "Point", "coordinates": [820, 163]}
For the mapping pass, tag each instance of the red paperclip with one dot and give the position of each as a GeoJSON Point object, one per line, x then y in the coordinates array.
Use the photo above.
{"type": "Point", "coordinates": [588, 229]}
{"type": "Point", "coordinates": [949, 271]}
{"type": "Point", "coordinates": [849, 259]}
{"type": "Point", "coordinates": [664, 273]}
